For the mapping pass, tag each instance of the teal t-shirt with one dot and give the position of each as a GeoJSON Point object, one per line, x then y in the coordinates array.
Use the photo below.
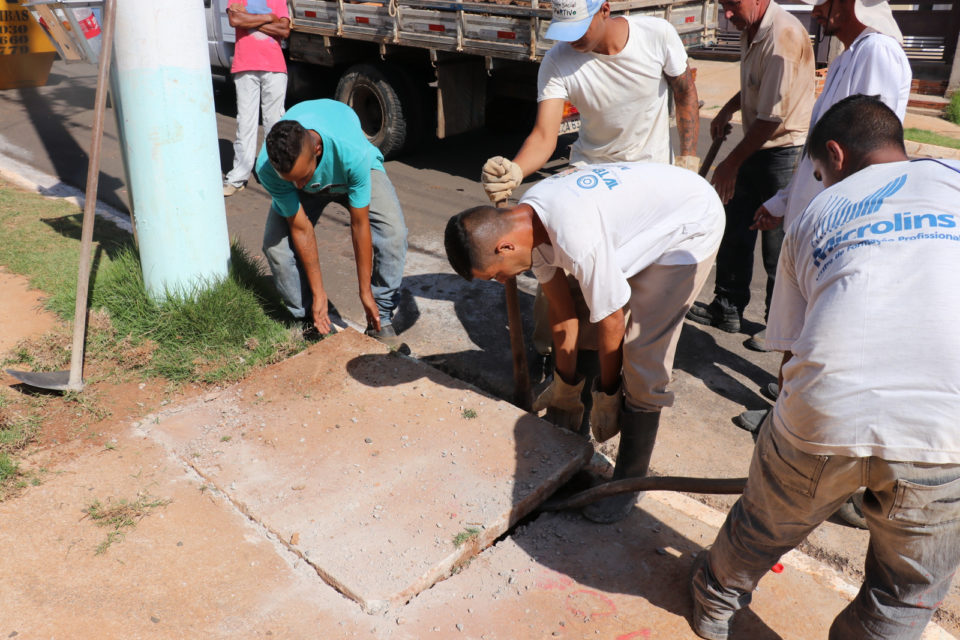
{"type": "Point", "coordinates": [348, 157]}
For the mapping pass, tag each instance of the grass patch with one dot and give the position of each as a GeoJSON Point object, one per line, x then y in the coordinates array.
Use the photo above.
{"type": "Point", "coordinates": [952, 112]}
{"type": "Point", "coordinates": [464, 536]}
{"type": "Point", "coordinates": [215, 336]}
{"type": "Point", "coordinates": [929, 137]}
{"type": "Point", "coordinates": [469, 414]}
{"type": "Point", "coordinates": [8, 468]}
{"type": "Point", "coordinates": [120, 516]}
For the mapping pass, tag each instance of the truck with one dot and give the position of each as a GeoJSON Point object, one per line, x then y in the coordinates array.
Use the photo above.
{"type": "Point", "coordinates": [415, 68]}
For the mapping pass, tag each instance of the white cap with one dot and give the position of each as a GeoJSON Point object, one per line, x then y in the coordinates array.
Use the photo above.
{"type": "Point", "coordinates": [875, 14]}
{"type": "Point", "coordinates": [571, 19]}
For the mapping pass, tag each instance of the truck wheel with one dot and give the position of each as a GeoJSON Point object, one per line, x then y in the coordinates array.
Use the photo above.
{"type": "Point", "coordinates": [375, 94]}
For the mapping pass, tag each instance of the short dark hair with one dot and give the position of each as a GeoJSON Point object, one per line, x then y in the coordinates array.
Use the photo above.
{"type": "Point", "coordinates": [860, 124]}
{"type": "Point", "coordinates": [465, 237]}
{"type": "Point", "coordinates": [285, 144]}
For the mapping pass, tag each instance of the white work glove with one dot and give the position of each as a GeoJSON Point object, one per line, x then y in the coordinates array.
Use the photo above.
{"type": "Point", "coordinates": [687, 162]}
{"type": "Point", "coordinates": [605, 413]}
{"type": "Point", "coordinates": [562, 402]}
{"type": "Point", "coordinates": [500, 177]}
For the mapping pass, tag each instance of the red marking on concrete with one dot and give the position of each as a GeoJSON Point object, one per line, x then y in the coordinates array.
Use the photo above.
{"type": "Point", "coordinates": [777, 568]}
{"type": "Point", "coordinates": [551, 580]}
{"type": "Point", "coordinates": [610, 607]}
{"type": "Point", "coordinates": [643, 633]}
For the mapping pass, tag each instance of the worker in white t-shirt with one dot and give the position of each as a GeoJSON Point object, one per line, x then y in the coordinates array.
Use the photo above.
{"type": "Point", "coordinates": [616, 71]}
{"type": "Point", "coordinates": [870, 384]}
{"type": "Point", "coordinates": [631, 245]}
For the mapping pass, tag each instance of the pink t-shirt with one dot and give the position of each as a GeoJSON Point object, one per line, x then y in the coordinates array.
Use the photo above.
{"type": "Point", "coordinates": [256, 51]}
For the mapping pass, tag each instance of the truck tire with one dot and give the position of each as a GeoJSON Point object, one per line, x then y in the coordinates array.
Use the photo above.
{"type": "Point", "coordinates": [380, 97]}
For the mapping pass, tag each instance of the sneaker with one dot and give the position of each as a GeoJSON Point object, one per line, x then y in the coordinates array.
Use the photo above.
{"type": "Point", "coordinates": [388, 336]}
{"type": "Point", "coordinates": [715, 315]}
{"type": "Point", "coordinates": [751, 420]}
{"type": "Point", "coordinates": [757, 342]}
{"type": "Point", "coordinates": [703, 624]}
{"type": "Point", "coordinates": [229, 189]}
{"type": "Point", "coordinates": [851, 511]}
{"type": "Point", "coordinates": [771, 391]}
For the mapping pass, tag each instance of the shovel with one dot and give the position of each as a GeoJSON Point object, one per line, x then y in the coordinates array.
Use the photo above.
{"type": "Point", "coordinates": [72, 380]}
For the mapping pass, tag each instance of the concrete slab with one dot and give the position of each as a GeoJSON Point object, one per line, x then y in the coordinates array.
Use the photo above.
{"type": "Point", "coordinates": [381, 472]}
{"type": "Point", "coordinates": [563, 577]}
{"type": "Point", "coordinates": [194, 568]}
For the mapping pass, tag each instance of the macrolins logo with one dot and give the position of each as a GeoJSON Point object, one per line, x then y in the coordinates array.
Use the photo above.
{"type": "Point", "coordinates": [868, 231]}
{"type": "Point", "coordinates": [839, 210]}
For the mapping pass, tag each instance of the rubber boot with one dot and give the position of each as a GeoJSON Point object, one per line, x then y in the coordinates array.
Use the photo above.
{"type": "Point", "coordinates": [638, 433]}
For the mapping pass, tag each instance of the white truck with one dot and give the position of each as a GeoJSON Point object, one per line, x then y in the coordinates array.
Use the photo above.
{"type": "Point", "coordinates": [409, 66]}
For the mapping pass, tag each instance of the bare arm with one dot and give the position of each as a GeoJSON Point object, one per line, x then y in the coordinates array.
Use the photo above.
{"type": "Point", "coordinates": [688, 111]}
{"type": "Point", "coordinates": [564, 325]}
{"type": "Point", "coordinates": [239, 17]}
{"type": "Point", "coordinates": [279, 29]}
{"type": "Point", "coordinates": [305, 244]}
{"type": "Point", "coordinates": [540, 144]}
{"type": "Point", "coordinates": [610, 332]}
{"type": "Point", "coordinates": [363, 253]}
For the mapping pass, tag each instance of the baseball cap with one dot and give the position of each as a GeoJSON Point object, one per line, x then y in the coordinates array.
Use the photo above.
{"type": "Point", "coordinates": [571, 18]}
{"type": "Point", "coordinates": [875, 14]}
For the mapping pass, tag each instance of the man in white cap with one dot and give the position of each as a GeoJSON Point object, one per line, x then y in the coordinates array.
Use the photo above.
{"type": "Point", "coordinates": [870, 394]}
{"type": "Point", "coordinates": [616, 72]}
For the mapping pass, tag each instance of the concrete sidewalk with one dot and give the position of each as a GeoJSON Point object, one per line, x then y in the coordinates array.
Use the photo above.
{"type": "Point", "coordinates": [350, 492]}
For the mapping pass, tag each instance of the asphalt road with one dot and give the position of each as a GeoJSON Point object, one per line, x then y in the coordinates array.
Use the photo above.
{"type": "Point", "coordinates": [456, 325]}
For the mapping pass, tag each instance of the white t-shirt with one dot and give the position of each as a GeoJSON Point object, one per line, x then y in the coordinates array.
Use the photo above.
{"type": "Point", "coordinates": [622, 98]}
{"type": "Point", "coordinates": [608, 222]}
{"type": "Point", "coordinates": [866, 299]}
{"type": "Point", "coordinates": [875, 64]}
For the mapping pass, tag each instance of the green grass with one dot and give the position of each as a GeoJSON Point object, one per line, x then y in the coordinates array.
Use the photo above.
{"type": "Point", "coordinates": [952, 112]}
{"type": "Point", "coordinates": [8, 468]}
{"type": "Point", "coordinates": [120, 516]}
{"type": "Point", "coordinates": [17, 432]}
{"type": "Point", "coordinates": [214, 336]}
{"type": "Point", "coordinates": [469, 414]}
{"type": "Point", "coordinates": [930, 137]}
{"type": "Point", "coordinates": [465, 535]}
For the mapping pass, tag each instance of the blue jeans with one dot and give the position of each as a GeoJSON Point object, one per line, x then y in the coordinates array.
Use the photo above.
{"type": "Point", "coordinates": [388, 233]}
{"type": "Point", "coordinates": [912, 511]}
{"type": "Point", "coordinates": [759, 178]}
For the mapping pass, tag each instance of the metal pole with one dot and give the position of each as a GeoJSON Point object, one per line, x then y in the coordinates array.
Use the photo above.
{"type": "Point", "coordinates": [168, 134]}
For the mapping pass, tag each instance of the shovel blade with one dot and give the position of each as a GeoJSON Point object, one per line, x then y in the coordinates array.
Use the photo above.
{"type": "Point", "coordinates": [52, 380]}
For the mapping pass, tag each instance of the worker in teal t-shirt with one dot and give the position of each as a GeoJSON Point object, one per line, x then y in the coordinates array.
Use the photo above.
{"type": "Point", "coordinates": [319, 147]}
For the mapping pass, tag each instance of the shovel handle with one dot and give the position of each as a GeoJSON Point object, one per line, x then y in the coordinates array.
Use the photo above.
{"type": "Point", "coordinates": [710, 157]}
{"type": "Point", "coordinates": [521, 373]}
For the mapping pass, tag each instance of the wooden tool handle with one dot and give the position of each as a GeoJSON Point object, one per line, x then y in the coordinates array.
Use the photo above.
{"type": "Point", "coordinates": [710, 157]}
{"type": "Point", "coordinates": [521, 373]}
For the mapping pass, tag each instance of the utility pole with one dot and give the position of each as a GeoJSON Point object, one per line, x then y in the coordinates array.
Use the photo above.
{"type": "Point", "coordinates": [163, 94]}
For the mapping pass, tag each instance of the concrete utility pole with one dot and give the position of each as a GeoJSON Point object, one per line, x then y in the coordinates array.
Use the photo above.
{"type": "Point", "coordinates": [163, 94]}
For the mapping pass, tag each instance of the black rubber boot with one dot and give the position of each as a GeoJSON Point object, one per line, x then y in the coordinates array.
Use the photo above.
{"type": "Point", "coordinates": [638, 433]}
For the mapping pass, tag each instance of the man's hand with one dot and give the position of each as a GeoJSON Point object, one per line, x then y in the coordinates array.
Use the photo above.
{"type": "Point", "coordinates": [687, 162]}
{"type": "Point", "coordinates": [370, 309]}
{"type": "Point", "coordinates": [763, 220]}
{"type": "Point", "coordinates": [725, 179]}
{"type": "Point", "coordinates": [720, 126]}
{"type": "Point", "coordinates": [319, 312]}
{"type": "Point", "coordinates": [605, 413]}
{"type": "Point", "coordinates": [562, 402]}
{"type": "Point", "coordinates": [500, 177]}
